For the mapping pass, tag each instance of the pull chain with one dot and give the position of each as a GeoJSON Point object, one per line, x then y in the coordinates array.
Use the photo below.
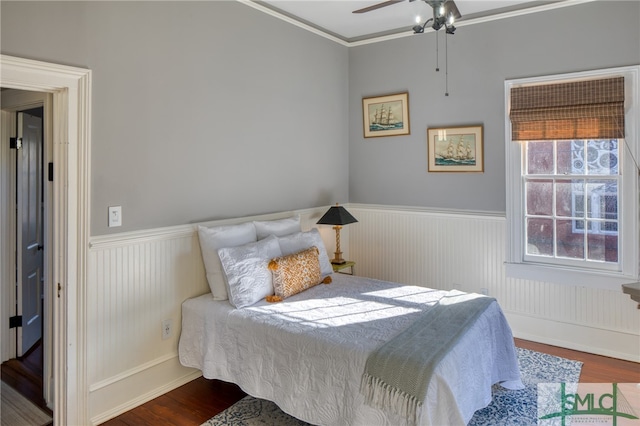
{"type": "Point", "coordinates": [446, 65]}
{"type": "Point", "coordinates": [437, 53]}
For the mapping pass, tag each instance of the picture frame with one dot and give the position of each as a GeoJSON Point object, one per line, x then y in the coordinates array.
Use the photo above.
{"type": "Point", "coordinates": [455, 149]}
{"type": "Point", "coordinates": [386, 115]}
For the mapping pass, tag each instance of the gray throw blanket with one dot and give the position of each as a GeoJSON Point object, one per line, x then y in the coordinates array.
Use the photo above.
{"type": "Point", "coordinates": [397, 374]}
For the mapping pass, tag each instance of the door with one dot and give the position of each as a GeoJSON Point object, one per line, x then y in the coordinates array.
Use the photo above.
{"type": "Point", "coordinates": [29, 238]}
{"type": "Point", "coordinates": [38, 104]}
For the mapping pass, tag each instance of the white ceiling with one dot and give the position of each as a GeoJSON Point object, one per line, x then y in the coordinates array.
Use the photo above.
{"type": "Point", "coordinates": [335, 17]}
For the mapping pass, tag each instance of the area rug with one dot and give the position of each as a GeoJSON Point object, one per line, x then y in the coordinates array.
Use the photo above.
{"type": "Point", "coordinates": [16, 410]}
{"type": "Point", "coordinates": [507, 407]}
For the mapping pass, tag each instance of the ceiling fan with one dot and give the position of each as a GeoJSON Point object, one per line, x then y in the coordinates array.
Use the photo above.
{"type": "Point", "coordinates": [445, 12]}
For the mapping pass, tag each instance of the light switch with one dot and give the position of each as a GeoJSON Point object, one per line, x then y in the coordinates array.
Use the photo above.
{"type": "Point", "coordinates": [115, 216]}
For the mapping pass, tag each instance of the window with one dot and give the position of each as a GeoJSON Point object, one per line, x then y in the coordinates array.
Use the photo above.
{"type": "Point", "coordinates": [572, 178]}
{"type": "Point", "coordinates": [571, 202]}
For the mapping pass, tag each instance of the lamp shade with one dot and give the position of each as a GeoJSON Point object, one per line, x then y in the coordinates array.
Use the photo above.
{"type": "Point", "coordinates": [337, 215]}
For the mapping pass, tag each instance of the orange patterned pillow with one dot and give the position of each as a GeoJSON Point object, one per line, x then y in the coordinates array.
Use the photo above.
{"type": "Point", "coordinates": [295, 273]}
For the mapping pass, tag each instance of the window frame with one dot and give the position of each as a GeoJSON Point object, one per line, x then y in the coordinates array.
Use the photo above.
{"type": "Point", "coordinates": [518, 264]}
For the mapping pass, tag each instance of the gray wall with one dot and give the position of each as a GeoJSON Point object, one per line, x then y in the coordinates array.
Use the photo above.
{"type": "Point", "coordinates": [206, 110]}
{"type": "Point", "coordinates": [201, 110]}
{"type": "Point", "coordinates": [393, 170]}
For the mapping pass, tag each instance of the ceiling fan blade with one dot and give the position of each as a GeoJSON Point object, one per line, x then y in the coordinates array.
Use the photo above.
{"type": "Point", "coordinates": [377, 6]}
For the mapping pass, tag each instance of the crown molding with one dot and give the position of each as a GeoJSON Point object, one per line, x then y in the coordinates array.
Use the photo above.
{"type": "Point", "coordinates": [535, 9]}
{"type": "Point", "coordinates": [261, 8]}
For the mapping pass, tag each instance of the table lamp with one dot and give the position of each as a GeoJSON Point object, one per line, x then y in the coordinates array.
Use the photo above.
{"type": "Point", "coordinates": [337, 216]}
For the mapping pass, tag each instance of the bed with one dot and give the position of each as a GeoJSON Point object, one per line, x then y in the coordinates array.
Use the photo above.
{"type": "Point", "coordinates": [308, 352]}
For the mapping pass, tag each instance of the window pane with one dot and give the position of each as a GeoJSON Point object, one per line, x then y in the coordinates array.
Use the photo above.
{"type": "Point", "coordinates": [567, 191]}
{"type": "Point", "coordinates": [569, 153]}
{"type": "Point", "coordinates": [540, 158]}
{"type": "Point", "coordinates": [602, 157]}
{"type": "Point", "coordinates": [603, 199]}
{"type": "Point", "coordinates": [570, 236]}
{"type": "Point", "coordinates": [602, 247]}
{"type": "Point", "coordinates": [540, 236]}
{"type": "Point", "coordinates": [540, 197]}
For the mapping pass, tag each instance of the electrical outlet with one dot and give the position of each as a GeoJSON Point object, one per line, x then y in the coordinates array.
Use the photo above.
{"type": "Point", "coordinates": [167, 329]}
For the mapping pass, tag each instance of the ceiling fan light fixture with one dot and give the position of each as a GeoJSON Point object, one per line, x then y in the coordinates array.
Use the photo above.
{"type": "Point", "coordinates": [451, 29]}
{"type": "Point", "coordinates": [418, 29]}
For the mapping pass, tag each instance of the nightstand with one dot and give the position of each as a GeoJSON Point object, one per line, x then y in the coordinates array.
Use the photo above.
{"type": "Point", "coordinates": [348, 264]}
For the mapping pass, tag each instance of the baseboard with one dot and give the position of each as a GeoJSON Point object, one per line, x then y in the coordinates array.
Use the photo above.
{"type": "Point", "coordinates": [120, 396]}
{"type": "Point", "coordinates": [611, 343]}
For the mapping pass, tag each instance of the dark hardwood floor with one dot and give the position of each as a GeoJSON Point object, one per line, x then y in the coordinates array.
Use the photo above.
{"type": "Point", "coordinates": [191, 404]}
{"type": "Point", "coordinates": [201, 399]}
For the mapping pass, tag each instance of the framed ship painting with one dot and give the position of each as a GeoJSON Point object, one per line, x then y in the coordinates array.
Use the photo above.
{"type": "Point", "coordinates": [455, 149]}
{"type": "Point", "coordinates": [386, 115]}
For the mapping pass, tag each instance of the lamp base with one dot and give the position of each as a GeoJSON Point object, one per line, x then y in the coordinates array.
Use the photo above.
{"type": "Point", "coordinates": [337, 255]}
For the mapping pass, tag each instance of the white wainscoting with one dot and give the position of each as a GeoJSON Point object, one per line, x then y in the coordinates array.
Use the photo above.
{"type": "Point", "coordinates": [466, 251]}
{"type": "Point", "coordinates": [138, 279]}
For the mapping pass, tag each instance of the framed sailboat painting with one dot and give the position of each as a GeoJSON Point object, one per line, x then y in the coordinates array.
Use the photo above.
{"type": "Point", "coordinates": [386, 115]}
{"type": "Point", "coordinates": [455, 149]}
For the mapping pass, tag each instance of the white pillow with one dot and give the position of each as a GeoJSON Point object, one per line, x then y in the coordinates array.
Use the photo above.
{"type": "Point", "coordinates": [246, 268]}
{"type": "Point", "coordinates": [279, 227]}
{"type": "Point", "coordinates": [299, 241]}
{"type": "Point", "coordinates": [217, 237]}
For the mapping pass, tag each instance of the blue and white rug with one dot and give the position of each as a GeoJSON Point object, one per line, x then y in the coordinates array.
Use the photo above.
{"type": "Point", "coordinates": [507, 408]}
{"type": "Point", "coordinates": [520, 407]}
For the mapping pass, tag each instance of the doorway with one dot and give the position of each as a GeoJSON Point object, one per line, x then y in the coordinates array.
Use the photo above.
{"type": "Point", "coordinates": [70, 88]}
{"type": "Point", "coordinates": [27, 283]}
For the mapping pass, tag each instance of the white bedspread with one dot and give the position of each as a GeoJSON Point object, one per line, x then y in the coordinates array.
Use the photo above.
{"type": "Point", "coordinates": [307, 354]}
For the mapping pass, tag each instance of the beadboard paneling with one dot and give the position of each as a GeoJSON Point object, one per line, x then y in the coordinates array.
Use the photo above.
{"type": "Point", "coordinates": [135, 287]}
{"type": "Point", "coordinates": [466, 251]}
{"type": "Point", "coordinates": [137, 280]}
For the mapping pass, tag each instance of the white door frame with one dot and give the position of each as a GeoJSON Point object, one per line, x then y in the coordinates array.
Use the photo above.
{"type": "Point", "coordinates": [14, 101]}
{"type": "Point", "coordinates": [71, 89]}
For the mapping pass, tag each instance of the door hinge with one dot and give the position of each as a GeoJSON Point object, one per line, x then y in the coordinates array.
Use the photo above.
{"type": "Point", "coordinates": [15, 321]}
{"type": "Point", "coordinates": [15, 143]}
{"type": "Point", "coordinates": [50, 172]}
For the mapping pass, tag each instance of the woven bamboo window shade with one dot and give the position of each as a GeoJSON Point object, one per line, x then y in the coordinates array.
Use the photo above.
{"type": "Point", "coordinates": [591, 109]}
